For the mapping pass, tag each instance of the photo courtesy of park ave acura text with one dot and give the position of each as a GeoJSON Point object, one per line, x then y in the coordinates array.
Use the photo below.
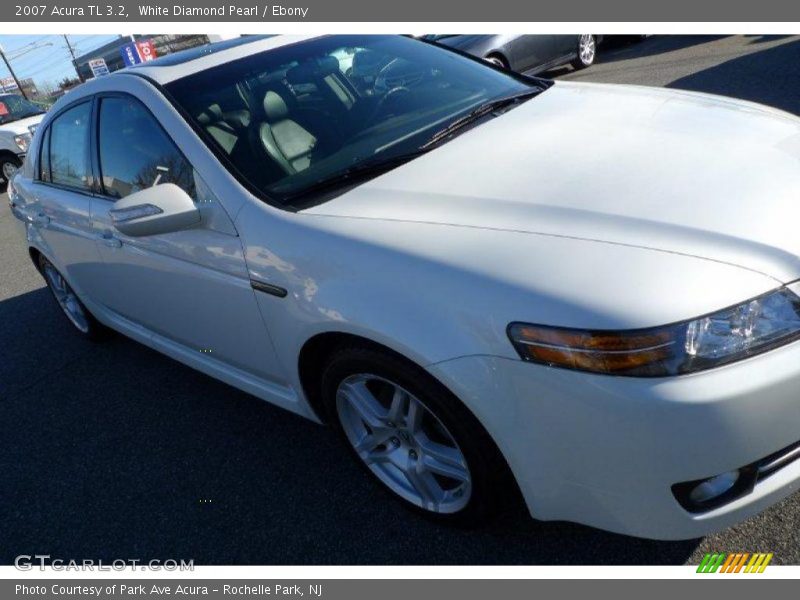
{"type": "Point", "coordinates": [276, 291]}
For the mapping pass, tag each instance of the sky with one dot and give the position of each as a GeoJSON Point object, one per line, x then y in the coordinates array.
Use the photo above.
{"type": "Point", "coordinates": [46, 63]}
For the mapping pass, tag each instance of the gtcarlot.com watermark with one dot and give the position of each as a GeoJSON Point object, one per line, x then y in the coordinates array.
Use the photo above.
{"type": "Point", "coordinates": [28, 562]}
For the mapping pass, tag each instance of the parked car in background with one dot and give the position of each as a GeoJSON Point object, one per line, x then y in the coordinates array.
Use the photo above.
{"type": "Point", "coordinates": [18, 120]}
{"type": "Point", "coordinates": [423, 254]}
{"type": "Point", "coordinates": [526, 53]}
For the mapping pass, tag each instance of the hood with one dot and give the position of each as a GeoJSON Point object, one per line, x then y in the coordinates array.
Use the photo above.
{"type": "Point", "coordinates": [26, 125]}
{"type": "Point", "coordinates": [666, 170]}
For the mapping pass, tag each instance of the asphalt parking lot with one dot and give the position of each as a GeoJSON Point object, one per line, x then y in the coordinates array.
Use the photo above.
{"type": "Point", "coordinates": [113, 451]}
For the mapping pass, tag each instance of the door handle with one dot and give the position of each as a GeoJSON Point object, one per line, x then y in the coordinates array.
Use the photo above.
{"type": "Point", "coordinates": [110, 241]}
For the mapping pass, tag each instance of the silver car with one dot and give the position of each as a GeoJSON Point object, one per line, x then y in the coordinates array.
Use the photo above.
{"type": "Point", "coordinates": [529, 54]}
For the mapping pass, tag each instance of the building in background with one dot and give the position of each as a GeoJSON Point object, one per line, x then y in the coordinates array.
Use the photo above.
{"type": "Point", "coordinates": [112, 52]}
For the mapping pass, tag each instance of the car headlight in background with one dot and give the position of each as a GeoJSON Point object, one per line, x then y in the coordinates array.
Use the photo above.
{"type": "Point", "coordinates": [23, 141]}
{"type": "Point", "coordinates": [731, 334]}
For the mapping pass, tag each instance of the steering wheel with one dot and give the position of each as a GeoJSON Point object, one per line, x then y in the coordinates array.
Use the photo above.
{"type": "Point", "coordinates": [389, 102]}
{"type": "Point", "coordinates": [398, 73]}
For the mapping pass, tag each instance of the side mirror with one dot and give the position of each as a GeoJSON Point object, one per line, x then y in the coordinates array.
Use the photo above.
{"type": "Point", "coordinates": [162, 208]}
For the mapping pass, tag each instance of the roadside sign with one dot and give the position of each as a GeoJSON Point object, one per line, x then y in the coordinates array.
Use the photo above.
{"type": "Point", "coordinates": [146, 50]}
{"type": "Point", "coordinates": [98, 67]}
{"type": "Point", "coordinates": [7, 84]}
{"type": "Point", "coordinates": [130, 54]}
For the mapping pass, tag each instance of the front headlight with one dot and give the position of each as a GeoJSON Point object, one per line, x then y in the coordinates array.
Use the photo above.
{"type": "Point", "coordinates": [731, 334]}
{"type": "Point", "coordinates": [23, 141]}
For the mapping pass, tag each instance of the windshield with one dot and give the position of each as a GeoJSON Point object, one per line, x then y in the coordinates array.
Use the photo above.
{"type": "Point", "coordinates": [14, 107]}
{"type": "Point", "coordinates": [291, 118]}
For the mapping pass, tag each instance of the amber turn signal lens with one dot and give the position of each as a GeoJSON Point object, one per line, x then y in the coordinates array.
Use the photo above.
{"type": "Point", "coordinates": [601, 351]}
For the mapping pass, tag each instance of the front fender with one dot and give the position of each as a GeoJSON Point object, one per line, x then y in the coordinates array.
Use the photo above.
{"type": "Point", "coordinates": [433, 292]}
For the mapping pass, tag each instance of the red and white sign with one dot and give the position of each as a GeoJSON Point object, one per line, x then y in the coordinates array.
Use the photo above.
{"type": "Point", "coordinates": [7, 84]}
{"type": "Point", "coordinates": [146, 50]}
{"type": "Point", "coordinates": [98, 67]}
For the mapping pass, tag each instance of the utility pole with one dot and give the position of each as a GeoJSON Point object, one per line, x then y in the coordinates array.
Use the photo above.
{"type": "Point", "coordinates": [72, 54]}
{"type": "Point", "coordinates": [14, 75]}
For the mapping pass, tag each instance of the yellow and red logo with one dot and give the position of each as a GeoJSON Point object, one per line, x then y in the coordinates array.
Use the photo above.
{"type": "Point", "coordinates": [739, 562]}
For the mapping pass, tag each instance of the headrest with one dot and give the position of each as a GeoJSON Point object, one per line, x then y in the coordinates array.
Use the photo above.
{"type": "Point", "coordinates": [211, 114]}
{"type": "Point", "coordinates": [312, 70]}
{"type": "Point", "coordinates": [274, 107]}
{"type": "Point", "coordinates": [238, 119]}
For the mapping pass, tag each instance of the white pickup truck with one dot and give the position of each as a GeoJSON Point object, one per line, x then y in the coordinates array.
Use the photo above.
{"type": "Point", "coordinates": [18, 120]}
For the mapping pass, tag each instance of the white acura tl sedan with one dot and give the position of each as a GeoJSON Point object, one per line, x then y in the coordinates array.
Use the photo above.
{"type": "Point", "coordinates": [490, 284]}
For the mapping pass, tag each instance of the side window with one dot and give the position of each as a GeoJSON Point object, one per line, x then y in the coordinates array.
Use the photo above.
{"type": "Point", "coordinates": [69, 147]}
{"type": "Point", "coordinates": [135, 152]}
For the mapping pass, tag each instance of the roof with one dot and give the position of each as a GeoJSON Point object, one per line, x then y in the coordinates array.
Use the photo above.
{"type": "Point", "coordinates": [186, 62]}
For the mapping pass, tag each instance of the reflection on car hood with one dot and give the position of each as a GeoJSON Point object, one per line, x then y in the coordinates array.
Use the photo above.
{"type": "Point", "coordinates": [675, 171]}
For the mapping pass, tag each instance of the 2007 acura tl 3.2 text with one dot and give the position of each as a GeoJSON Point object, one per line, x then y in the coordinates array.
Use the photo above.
{"type": "Point", "coordinates": [487, 282]}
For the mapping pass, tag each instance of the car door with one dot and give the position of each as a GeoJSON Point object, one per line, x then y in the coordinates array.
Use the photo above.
{"type": "Point", "coordinates": [531, 52]}
{"type": "Point", "coordinates": [190, 287]}
{"type": "Point", "coordinates": [60, 196]}
{"type": "Point", "coordinates": [566, 45]}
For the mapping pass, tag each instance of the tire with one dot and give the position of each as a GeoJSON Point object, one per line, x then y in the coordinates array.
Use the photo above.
{"type": "Point", "coordinates": [586, 52]}
{"type": "Point", "coordinates": [82, 321]}
{"type": "Point", "coordinates": [497, 61]}
{"type": "Point", "coordinates": [8, 166]}
{"type": "Point", "coordinates": [438, 436]}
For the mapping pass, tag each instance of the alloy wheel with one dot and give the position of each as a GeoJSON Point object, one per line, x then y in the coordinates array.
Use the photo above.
{"type": "Point", "coordinates": [403, 443]}
{"type": "Point", "coordinates": [66, 298]}
{"type": "Point", "coordinates": [587, 47]}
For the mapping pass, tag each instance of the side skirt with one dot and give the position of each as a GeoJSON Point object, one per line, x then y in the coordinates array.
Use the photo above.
{"type": "Point", "coordinates": [283, 396]}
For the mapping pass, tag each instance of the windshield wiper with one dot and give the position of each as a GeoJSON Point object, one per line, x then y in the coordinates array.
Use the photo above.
{"type": "Point", "coordinates": [358, 172]}
{"type": "Point", "coordinates": [481, 111]}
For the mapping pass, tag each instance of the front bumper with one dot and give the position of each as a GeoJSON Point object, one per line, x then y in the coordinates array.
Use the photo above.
{"type": "Point", "coordinates": [605, 451]}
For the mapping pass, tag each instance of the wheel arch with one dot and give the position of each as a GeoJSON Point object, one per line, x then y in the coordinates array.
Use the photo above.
{"type": "Point", "coordinates": [35, 254]}
{"type": "Point", "coordinates": [318, 348]}
{"type": "Point", "coordinates": [5, 153]}
{"type": "Point", "coordinates": [499, 54]}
